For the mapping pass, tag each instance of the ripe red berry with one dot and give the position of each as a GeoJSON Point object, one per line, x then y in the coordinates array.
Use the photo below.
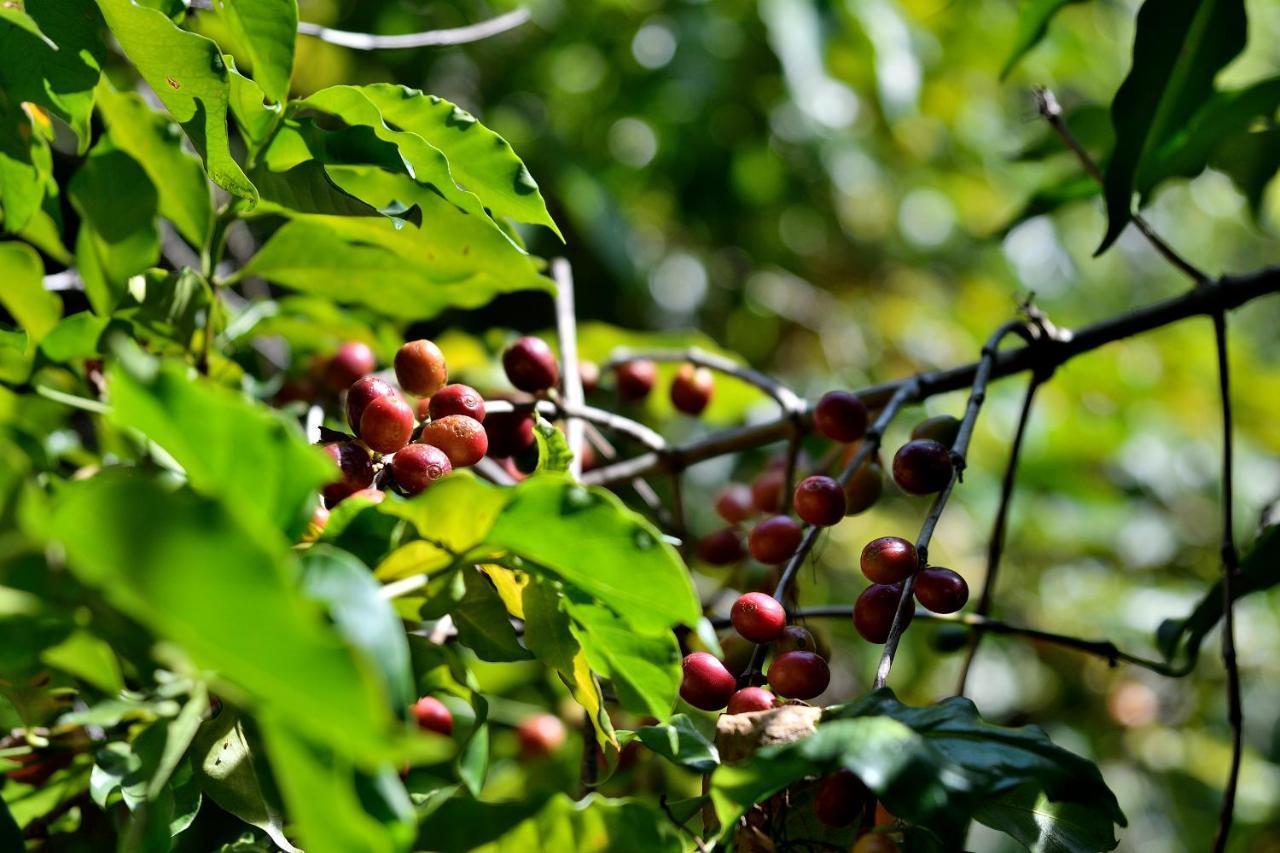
{"type": "Point", "coordinates": [721, 548]}
{"type": "Point", "coordinates": [462, 439]}
{"type": "Point", "coordinates": [874, 610]}
{"type": "Point", "coordinates": [363, 392]}
{"type": "Point", "coordinates": [635, 379]}
{"type": "Point", "coordinates": [734, 503]}
{"type": "Point", "coordinates": [794, 638]}
{"type": "Point", "coordinates": [758, 617]}
{"type": "Point", "coordinates": [798, 675]}
{"type": "Point", "coordinates": [456, 400]}
{"type": "Point", "coordinates": [691, 389]}
{"type": "Point", "coordinates": [540, 735]}
{"type": "Point", "coordinates": [530, 365]}
{"type": "Point", "coordinates": [706, 684]}
{"type": "Point", "coordinates": [888, 559]}
{"type": "Point", "coordinates": [840, 799]}
{"type": "Point", "coordinates": [386, 424]}
{"type": "Point", "coordinates": [509, 433]}
{"type": "Point", "coordinates": [750, 699]}
{"type": "Point", "coordinates": [922, 466]}
{"type": "Point", "coordinates": [841, 416]}
{"type": "Point", "coordinates": [942, 429]}
{"type": "Point", "coordinates": [589, 373]}
{"type": "Point", "coordinates": [352, 360]}
{"type": "Point", "coordinates": [941, 590]}
{"type": "Point", "coordinates": [418, 466]}
{"type": "Point", "coordinates": [775, 539]}
{"type": "Point", "coordinates": [767, 488]}
{"type": "Point", "coordinates": [864, 488]}
{"type": "Point", "coordinates": [819, 501]}
{"type": "Point", "coordinates": [433, 716]}
{"type": "Point", "coordinates": [354, 468]}
{"type": "Point", "coordinates": [420, 368]}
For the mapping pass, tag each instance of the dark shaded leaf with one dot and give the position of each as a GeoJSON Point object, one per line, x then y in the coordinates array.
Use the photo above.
{"type": "Point", "coordinates": [679, 742]}
{"type": "Point", "coordinates": [484, 626]}
{"type": "Point", "coordinates": [1046, 826]}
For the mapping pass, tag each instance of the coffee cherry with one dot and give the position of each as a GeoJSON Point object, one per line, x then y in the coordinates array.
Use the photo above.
{"type": "Point", "coordinates": [433, 716]}
{"type": "Point", "coordinates": [798, 675]}
{"type": "Point", "coordinates": [774, 540]}
{"type": "Point", "coordinates": [363, 392]}
{"type": "Point", "coordinates": [462, 439]}
{"type": "Point", "coordinates": [767, 488]}
{"type": "Point", "coordinates": [540, 735]}
{"type": "Point", "coordinates": [942, 429]}
{"type": "Point", "coordinates": [750, 699]}
{"type": "Point", "coordinates": [509, 433]}
{"type": "Point", "coordinates": [691, 389]}
{"type": "Point", "coordinates": [840, 416]}
{"type": "Point", "coordinates": [420, 368]}
{"type": "Point", "coordinates": [315, 527]}
{"type": "Point", "coordinates": [884, 817]}
{"type": "Point", "coordinates": [758, 617]}
{"type": "Point", "coordinates": [354, 469]}
{"type": "Point", "coordinates": [530, 365]}
{"type": "Point", "coordinates": [888, 559]}
{"type": "Point", "coordinates": [875, 842]}
{"type": "Point", "coordinates": [635, 379]}
{"type": "Point", "coordinates": [874, 610]}
{"type": "Point", "coordinates": [352, 360]}
{"type": "Point", "coordinates": [722, 548]}
{"type": "Point", "coordinates": [922, 466]}
{"type": "Point", "coordinates": [734, 503]}
{"type": "Point", "coordinates": [387, 424]}
{"type": "Point", "coordinates": [794, 638]}
{"type": "Point", "coordinates": [705, 684]}
{"type": "Point", "coordinates": [456, 400]}
{"type": "Point", "coordinates": [840, 799]}
{"type": "Point", "coordinates": [941, 590]}
{"type": "Point", "coordinates": [864, 488]}
{"type": "Point", "coordinates": [418, 466]}
{"type": "Point", "coordinates": [589, 373]}
{"type": "Point", "coordinates": [819, 501]}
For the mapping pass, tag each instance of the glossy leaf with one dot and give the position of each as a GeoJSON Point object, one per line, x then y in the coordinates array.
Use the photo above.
{"type": "Point", "coordinates": [679, 742]}
{"type": "Point", "coordinates": [484, 626]}
{"type": "Point", "coordinates": [554, 454]}
{"type": "Point", "coordinates": [223, 767]}
{"type": "Point", "coordinates": [1046, 825]}
{"type": "Point", "coordinates": [644, 668]}
{"type": "Point", "coordinates": [265, 31]}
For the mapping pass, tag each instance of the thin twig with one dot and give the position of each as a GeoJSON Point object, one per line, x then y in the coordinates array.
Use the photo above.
{"type": "Point", "coordinates": [643, 490]}
{"type": "Point", "coordinates": [678, 518]}
{"type": "Point", "coordinates": [430, 38]}
{"type": "Point", "coordinates": [570, 378]}
{"type": "Point", "coordinates": [554, 409]}
{"type": "Point", "coordinates": [788, 400]}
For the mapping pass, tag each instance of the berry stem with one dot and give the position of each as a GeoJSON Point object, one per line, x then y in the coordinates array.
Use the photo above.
{"type": "Point", "coordinates": [570, 377]}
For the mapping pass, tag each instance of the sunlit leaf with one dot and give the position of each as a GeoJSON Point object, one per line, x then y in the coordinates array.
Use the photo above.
{"type": "Point", "coordinates": [265, 30]}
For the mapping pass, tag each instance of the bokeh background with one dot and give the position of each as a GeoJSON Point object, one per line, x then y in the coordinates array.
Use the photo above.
{"type": "Point", "coordinates": [846, 192]}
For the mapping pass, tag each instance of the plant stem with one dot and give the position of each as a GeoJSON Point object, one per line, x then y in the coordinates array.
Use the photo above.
{"type": "Point", "coordinates": [570, 378]}
{"type": "Point", "coordinates": [788, 400]}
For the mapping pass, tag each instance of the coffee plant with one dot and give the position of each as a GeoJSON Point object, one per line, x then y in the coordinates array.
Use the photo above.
{"type": "Point", "coordinates": [306, 547]}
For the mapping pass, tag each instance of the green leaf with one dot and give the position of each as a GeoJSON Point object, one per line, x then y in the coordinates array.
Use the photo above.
{"type": "Point", "coordinates": [23, 295]}
{"type": "Point", "coordinates": [26, 166]}
{"type": "Point", "coordinates": [10, 833]}
{"type": "Point", "coordinates": [554, 454]}
{"type": "Point", "coordinates": [154, 142]}
{"type": "Point", "coordinates": [679, 742]}
{"type": "Point", "coordinates": [19, 18]}
{"type": "Point", "coordinates": [74, 337]}
{"type": "Point", "coordinates": [644, 669]}
{"type": "Point", "coordinates": [188, 75]}
{"type": "Point", "coordinates": [265, 32]}
{"type": "Point", "coordinates": [1033, 22]}
{"type": "Point", "coordinates": [1091, 126]}
{"type": "Point", "coordinates": [484, 626]}
{"type": "Point", "coordinates": [88, 658]}
{"type": "Point", "coordinates": [454, 516]}
{"type": "Point", "coordinates": [1052, 197]}
{"type": "Point", "coordinates": [255, 118]}
{"type": "Point", "coordinates": [306, 188]}
{"type": "Point", "coordinates": [1179, 48]}
{"type": "Point", "coordinates": [589, 539]}
{"type": "Point", "coordinates": [1252, 159]}
{"type": "Point", "coordinates": [1046, 826]}
{"type": "Point", "coordinates": [223, 766]}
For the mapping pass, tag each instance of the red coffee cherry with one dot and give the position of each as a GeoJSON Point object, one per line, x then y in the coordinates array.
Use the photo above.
{"type": "Point", "coordinates": [363, 392]}
{"type": "Point", "coordinates": [875, 842]}
{"type": "Point", "coordinates": [456, 400]}
{"type": "Point", "coordinates": [841, 416]}
{"type": "Point", "coordinates": [462, 439]}
{"type": "Point", "coordinates": [922, 466]}
{"type": "Point", "coordinates": [874, 610]}
{"type": "Point", "coordinates": [509, 433]}
{"type": "Point", "coordinates": [767, 488]}
{"type": "Point", "coordinates": [433, 716]}
{"type": "Point", "coordinates": [352, 360]}
{"type": "Point", "coordinates": [635, 379]}
{"type": "Point", "coordinates": [420, 368]}
{"type": "Point", "coordinates": [864, 488]}
{"type": "Point", "coordinates": [819, 501]}
{"type": "Point", "coordinates": [691, 389]}
{"type": "Point", "coordinates": [386, 424]}
{"type": "Point", "coordinates": [888, 559]}
{"type": "Point", "coordinates": [530, 365]}
{"type": "Point", "coordinates": [706, 684]}
{"type": "Point", "coordinates": [734, 503]}
{"type": "Point", "coordinates": [418, 466]}
{"type": "Point", "coordinates": [840, 799]}
{"type": "Point", "coordinates": [794, 638]}
{"type": "Point", "coordinates": [750, 699]}
{"type": "Point", "coordinates": [941, 590]}
{"type": "Point", "coordinates": [798, 675]}
{"type": "Point", "coordinates": [758, 617]}
{"type": "Point", "coordinates": [354, 469]}
{"type": "Point", "coordinates": [589, 373]}
{"type": "Point", "coordinates": [722, 548]}
{"type": "Point", "coordinates": [540, 735]}
{"type": "Point", "coordinates": [774, 540]}
{"type": "Point", "coordinates": [941, 428]}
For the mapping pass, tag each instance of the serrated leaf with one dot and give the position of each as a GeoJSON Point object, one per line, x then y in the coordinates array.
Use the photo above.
{"type": "Point", "coordinates": [265, 31]}
{"type": "Point", "coordinates": [23, 295]}
{"type": "Point", "coordinates": [1033, 22]}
